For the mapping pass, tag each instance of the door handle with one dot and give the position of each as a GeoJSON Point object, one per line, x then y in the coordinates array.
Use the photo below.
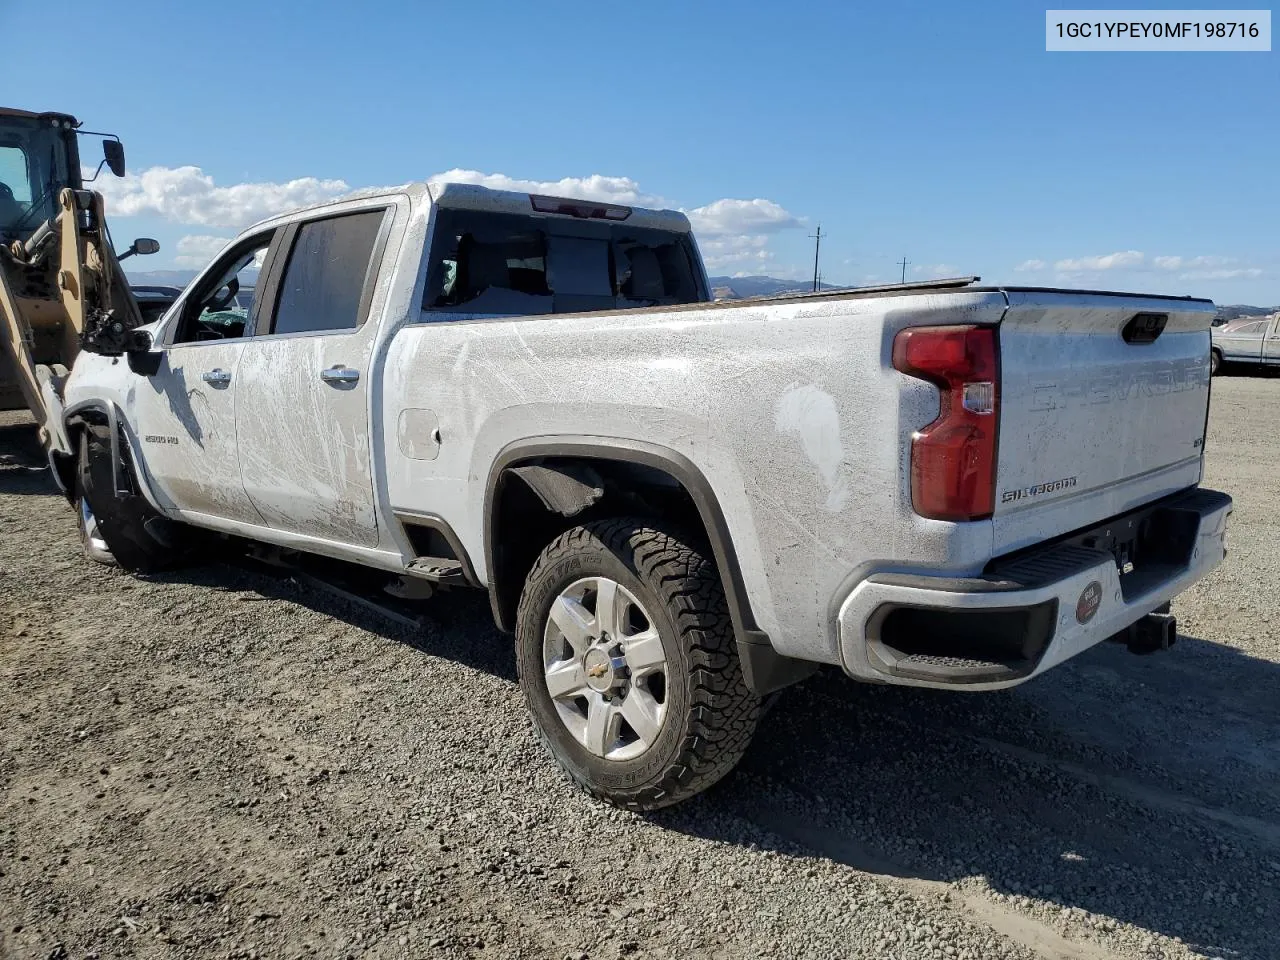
{"type": "Point", "coordinates": [340, 374]}
{"type": "Point", "coordinates": [216, 376]}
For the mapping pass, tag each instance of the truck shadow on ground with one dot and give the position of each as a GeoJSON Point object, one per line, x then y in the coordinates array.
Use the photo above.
{"type": "Point", "coordinates": [1237, 369]}
{"type": "Point", "coordinates": [455, 624]}
{"type": "Point", "coordinates": [1116, 784]}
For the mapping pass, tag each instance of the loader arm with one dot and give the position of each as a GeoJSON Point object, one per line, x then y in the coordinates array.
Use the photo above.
{"type": "Point", "coordinates": [15, 337]}
{"type": "Point", "coordinates": [73, 285]}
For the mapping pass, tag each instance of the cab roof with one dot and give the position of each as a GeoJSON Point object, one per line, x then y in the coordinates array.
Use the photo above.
{"type": "Point", "coordinates": [30, 115]}
{"type": "Point", "coordinates": [470, 196]}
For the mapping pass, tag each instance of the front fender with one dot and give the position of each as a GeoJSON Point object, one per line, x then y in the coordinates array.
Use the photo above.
{"type": "Point", "coordinates": [123, 445]}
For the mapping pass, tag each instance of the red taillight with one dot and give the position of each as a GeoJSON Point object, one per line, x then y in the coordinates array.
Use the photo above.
{"type": "Point", "coordinates": [953, 459]}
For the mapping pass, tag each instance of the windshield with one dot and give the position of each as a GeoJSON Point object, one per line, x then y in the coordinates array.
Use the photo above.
{"type": "Point", "coordinates": [33, 168]}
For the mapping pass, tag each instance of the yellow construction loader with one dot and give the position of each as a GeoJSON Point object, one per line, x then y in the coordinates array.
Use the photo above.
{"type": "Point", "coordinates": [61, 286]}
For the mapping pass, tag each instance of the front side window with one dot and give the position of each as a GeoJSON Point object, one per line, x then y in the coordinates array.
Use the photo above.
{"type": "Point", "coordinates": [327, 274]}
{"type": "Point", "coordinates": [221, 307]}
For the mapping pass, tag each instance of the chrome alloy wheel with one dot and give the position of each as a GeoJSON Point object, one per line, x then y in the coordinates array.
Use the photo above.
{"type": "Point", "coordinates": [605, 668]}
{"type": "Point", "coordinates": [95, 546]}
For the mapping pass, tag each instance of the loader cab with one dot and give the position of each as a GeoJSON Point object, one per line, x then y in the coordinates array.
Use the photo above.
{"type": "Point", "coordinates": [39, 156]}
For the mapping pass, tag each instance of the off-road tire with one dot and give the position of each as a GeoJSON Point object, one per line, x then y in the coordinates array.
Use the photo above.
{"type": "Point", "coordinates": [711, 713]}
{"type": "Point", "coordinates": [1215, 362]}
{"type": "Point", "coordinates": [138, 537]}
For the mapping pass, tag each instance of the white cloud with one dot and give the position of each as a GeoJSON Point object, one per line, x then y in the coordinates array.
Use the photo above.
{"type": "Point", "coordinates": [1110, 261]}
{"type": "Point", "coordinates": [1191, 263]}
{"type": "Point", "coordinates": [1204, 267]}
{"type": "Point", "coordinates": [196, 250]}
{"type": "Point", "coordinates": [720, 251]}
{"type": "Point", "coordinates": [730, 231]}
{"type": "Point", "coordinates": [738, 217]}
{"type": "Point", "coordinates": [1232, 274]}
{"type": "Point", "coordinates": [1207, 268]}
{"type": "Point", "coordinates": [737, 231]}
{"type": "Point", "coordinates": [189, 195]}
{"type": "Point", "coordinates": [622, 190]}
{"type": "Point", "coordinates": [936, 271]}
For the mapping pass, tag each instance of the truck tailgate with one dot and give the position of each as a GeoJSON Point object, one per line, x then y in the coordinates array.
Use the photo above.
{"type": "Point", "coordinates": [1099, 412]}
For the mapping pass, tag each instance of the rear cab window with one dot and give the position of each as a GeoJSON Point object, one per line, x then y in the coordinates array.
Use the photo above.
{"type": "Point", "coordinates": [486, 263]}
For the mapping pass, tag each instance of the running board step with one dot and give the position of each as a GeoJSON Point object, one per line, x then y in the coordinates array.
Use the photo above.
{"type": "Point", "coordinates": [436, 569]}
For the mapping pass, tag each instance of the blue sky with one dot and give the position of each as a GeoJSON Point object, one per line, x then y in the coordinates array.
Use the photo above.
{"type": "Point", "coordinates": [942, 132]}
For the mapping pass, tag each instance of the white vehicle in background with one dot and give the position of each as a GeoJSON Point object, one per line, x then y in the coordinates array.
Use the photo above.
{"type": "Point", "coordinates": [676, 506]}
{"type": "Point", "coordinates": [1253, 340]}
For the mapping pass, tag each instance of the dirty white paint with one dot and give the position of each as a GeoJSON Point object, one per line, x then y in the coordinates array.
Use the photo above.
{"type": "Point", "coordinates": [788, 408]}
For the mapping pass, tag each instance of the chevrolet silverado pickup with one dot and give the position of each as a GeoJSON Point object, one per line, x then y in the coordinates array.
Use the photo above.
{"type": "Point", "coordinates": [676, 506]}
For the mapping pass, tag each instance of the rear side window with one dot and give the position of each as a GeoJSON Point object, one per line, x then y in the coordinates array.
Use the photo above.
{"type": "Point", "coordinates": [327, 275]}
{"type": "Point", "coordinates": [512, 265]}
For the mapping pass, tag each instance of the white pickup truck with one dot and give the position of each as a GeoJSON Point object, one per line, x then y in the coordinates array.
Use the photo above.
{"type": "Point", "coordinates": [676, 506]}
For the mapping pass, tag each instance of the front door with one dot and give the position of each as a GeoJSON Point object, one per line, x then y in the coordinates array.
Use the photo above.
{"type": "Point", "coordinates": [185, 413]}
{"type": "Point", "coordinates": [302, 413]}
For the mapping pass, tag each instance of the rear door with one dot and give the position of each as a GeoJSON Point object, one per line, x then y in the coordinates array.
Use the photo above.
{"type": "Point", "coordinates": [302, 412]}
{"type": "Point", "coordinates": [1103, 400]}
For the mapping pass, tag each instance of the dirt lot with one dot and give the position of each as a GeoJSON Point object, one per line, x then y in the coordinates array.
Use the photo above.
{"type": "Point", "coordinates": [225, 763]}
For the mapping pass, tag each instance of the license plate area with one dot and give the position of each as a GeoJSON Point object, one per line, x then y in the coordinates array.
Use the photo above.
{"type": "Point", "coordinates": [1149, 545]}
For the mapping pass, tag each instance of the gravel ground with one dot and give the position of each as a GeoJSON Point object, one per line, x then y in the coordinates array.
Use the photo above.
{"type": "Point", "coordinates": [227, 763]}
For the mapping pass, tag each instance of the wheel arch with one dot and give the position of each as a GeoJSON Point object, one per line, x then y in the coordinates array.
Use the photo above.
{"type": "Point", "coordinates": [99, 412]}
{"type": "Point", "coordinates": [75, 419]}
{"type": "Point", "coordinates": [573, 476]}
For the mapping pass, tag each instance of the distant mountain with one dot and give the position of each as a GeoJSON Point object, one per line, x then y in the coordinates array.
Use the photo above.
{"type": "Point", "coordinates": [1234, 310]}
{"type": "Point", "coordinates": [736, 288]}
{"type": "Point", "coordinates": [161, 278]}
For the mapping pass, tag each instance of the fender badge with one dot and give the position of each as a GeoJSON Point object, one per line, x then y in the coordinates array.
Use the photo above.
{"type": "Point", "coordinates": [1090, 600]}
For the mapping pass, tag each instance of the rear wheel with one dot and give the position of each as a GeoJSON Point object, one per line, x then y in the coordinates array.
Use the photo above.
{"type": "Point", "coordinates": [629, 664]}
{"type": "Point", "coordinates": [1215, 361]}
{"type": "Point", "coordinates": [125, 529]}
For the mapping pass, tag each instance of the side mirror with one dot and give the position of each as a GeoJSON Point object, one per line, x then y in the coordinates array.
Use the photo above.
{"type": "Point", "coordinates": [113, 154]}
{"type": "Point", "coordinates": [143, 245]}
{"type": "Point", "coordinates": [142, 359]}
